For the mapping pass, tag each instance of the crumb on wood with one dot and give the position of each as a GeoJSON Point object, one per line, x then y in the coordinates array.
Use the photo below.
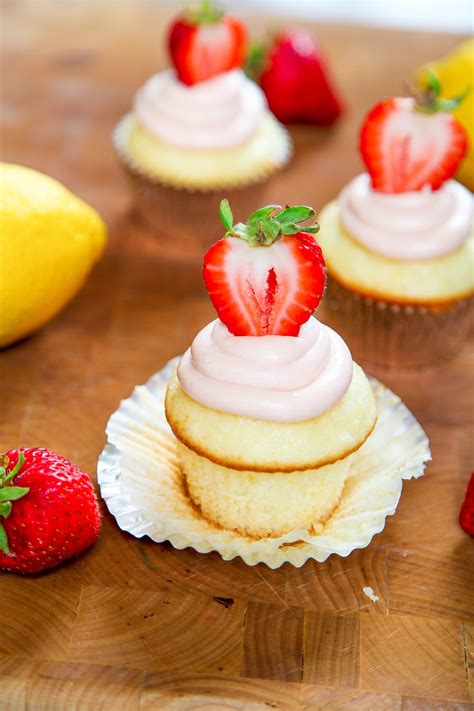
{"type": "Point", "coordinates": [368, 592]}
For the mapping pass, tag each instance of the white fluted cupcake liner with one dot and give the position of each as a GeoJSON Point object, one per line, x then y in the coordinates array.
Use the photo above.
{"type": "Point", "coordinates": [141, 483]}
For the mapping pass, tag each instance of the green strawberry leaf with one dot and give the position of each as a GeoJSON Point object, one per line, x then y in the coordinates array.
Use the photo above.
{"type": "Point", "coordinates": [4, 542]}
{"type": "Point", "coordinates": [6, 475]}
{"type": "Point", "coordinates": [432, 82]}
{"type": "Point", "coordinates": [268, 224]}
{"type": "Point", "coordinates": [255, 61]}
{"type": "Point", "coordinates": [240, 230]}
{"type": "Point", "coordinates": [272, 230]}
{"type": "Point", "coordinates": [204, 14]}
{"type": "Point", "coordinates": [298, 213]}
{"type": "Point", "coordinates": [261, 214]}
{"type": "Point", "coordinates": [453, 103]}
{"type": "Point", "coordinates": [6, 509]}
{"type": "Point", "coordinates": [12, 493]}
{"type": "Point", "coordinates": [226, 215]}
{"type": "Point", "coordinates": [291, 229]}
{"type": "Point", "coordinates": [428, 100]}
{"type": "Point", "coordinates": [9, 494]}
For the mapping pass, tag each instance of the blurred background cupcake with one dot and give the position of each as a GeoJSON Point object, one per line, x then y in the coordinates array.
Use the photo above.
{"type": "Point", "coordinates": [198, 131]}
{"type": "Point", "coordinates": [399, 240]}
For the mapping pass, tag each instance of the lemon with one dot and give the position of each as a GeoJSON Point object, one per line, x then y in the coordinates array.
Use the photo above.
{"type": "Point", "coordinates": [49, 241]}
{"type": "Point", "coordinates": [456, 74]}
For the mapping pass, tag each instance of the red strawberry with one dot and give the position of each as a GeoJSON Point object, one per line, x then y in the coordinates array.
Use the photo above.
{"type": "Point", "coordinates": [466, 516]}
{"type": "Point", "coordinates": [50, 510]}
{"type": "Point", "coordinates": [205, 43]}
{"type": "Point", "coordinates": [266, 277]}
{"type": "Point", "coordinates": [409, 143]}
{"type": "Point", "coordinates": [296, 82]}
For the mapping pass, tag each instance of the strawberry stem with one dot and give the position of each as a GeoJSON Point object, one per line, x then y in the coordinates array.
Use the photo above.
{"type": "Point", "coordinates": [428, 99]}
{"type": "Point", "coordinates": [9, 494]}
{"type": "Point", "coordinates": [204, 14]}
{"type": "Point", "coordinates": [255, 60]}
{"type": "Point", "coordinates": [268, 224]}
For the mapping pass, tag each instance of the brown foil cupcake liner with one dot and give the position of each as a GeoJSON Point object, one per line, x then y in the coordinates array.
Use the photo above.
{"type": "Point", "coordinates": [186, 219]}
{"type": "Point", "coordinates": [398, 335]}
{"type": "Point", "coordinates": [142, 484]}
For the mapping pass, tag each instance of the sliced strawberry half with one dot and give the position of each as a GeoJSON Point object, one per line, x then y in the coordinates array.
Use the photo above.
{"type": "Point", "coordinates": [204, 43]}
{"type": "Point", "coordinates": [413, 142]}
{"type": "Point", "coordinates": [266, 277]}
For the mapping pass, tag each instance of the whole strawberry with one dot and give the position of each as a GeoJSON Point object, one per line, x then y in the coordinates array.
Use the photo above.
{"type": "Point", "coordinates": [48, 510]}
{"type": "Point", "coordinates": [466, 516]}
{"type": "Point", "coordinates": [409, 143]}
{"type": "Point", "coordinates": [296, 83]}
{"type": "Point", "coordinates": [204, 42]}
{"type": "Point", "coordinates": [266, 277]}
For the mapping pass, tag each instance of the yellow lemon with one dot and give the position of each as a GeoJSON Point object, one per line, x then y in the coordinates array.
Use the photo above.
{"type": "Point", "coordinates": [456, 74]}
{"type": "Point", "coordinates": [49, 240]}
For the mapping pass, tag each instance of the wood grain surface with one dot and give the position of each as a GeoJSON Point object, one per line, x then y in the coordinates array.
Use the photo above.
{"type": "Point", "coordinates": [136, 625]}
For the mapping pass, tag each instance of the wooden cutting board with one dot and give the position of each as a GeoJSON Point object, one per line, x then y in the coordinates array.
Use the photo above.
{"type": "Point", "coordinates": [132, 624]}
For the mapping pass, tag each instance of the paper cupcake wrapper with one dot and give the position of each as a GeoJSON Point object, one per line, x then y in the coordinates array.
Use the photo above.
{"type": "Point", "coordinates": [401, 335]}
{"type": "Point", "coordinates": [279, 160]}
{"type": "Point", "coordinates": [141, 483]}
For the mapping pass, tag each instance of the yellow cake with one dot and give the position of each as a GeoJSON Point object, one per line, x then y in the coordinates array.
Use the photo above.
{"type": "Point", "coordinates": [205, 169]}
{"type": "Point", "coordinates": [440, 280]}
{"type": "Point", "coordinates": [244, 443]}
{"type": "Point", "coordinates": [263, 505]}
{"type": "Point", "coordinates": [264, 478]}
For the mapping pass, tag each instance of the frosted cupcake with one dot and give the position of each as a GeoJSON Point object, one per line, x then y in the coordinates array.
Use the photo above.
{"type": "Point", "coordinates": [399, 240]}
{"type": "Point", "coordinates": [267, 405]}
{"type": "Point", "coordinates": [200, 128]}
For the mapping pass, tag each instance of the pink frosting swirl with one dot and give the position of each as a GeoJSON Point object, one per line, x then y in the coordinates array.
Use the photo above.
{"type": "Point", "coordinates": [278, 378]}
{"type": "Point", "coordinates": [407, 226]}
{"type": "Point", "coordinates": [218, 113]}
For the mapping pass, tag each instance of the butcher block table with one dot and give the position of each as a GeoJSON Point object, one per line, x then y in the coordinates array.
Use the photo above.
{"type": "Point", "coordinates": [132, 624]}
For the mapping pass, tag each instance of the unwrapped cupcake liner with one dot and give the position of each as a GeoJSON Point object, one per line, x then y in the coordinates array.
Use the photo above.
{"type": "Point", "coordinates": [142, 484]}
{"type": "Point", "coordinates": [399, 335]}
{"type": "Point", "coordinates": [185, 218]}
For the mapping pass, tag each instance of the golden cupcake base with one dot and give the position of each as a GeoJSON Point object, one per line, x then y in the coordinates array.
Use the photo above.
{"type": "Point", "coordinates": [142, 484]}
{"type": "Point", "coordinates": [186, 219]}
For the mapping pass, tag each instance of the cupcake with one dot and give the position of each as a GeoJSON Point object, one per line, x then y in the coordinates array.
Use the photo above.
{"type": "Point", "coordinates": [198, 129]}
{"type": "Point", "coordinates": [267, 404]}
{"type": "Point", "coordinates": [399, 239]}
